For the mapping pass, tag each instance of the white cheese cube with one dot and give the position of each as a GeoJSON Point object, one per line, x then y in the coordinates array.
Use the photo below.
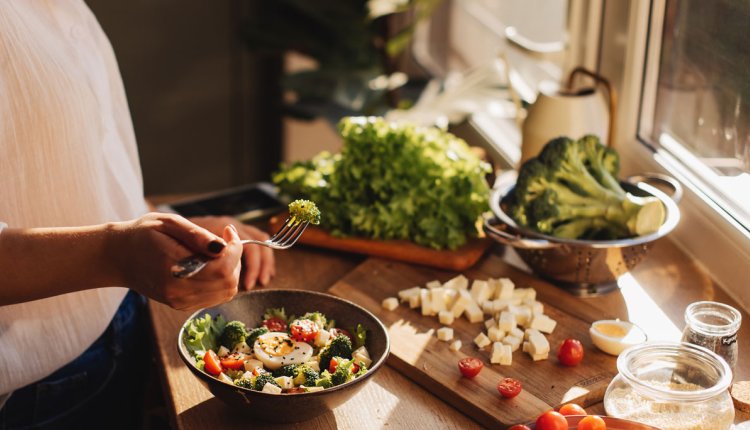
{"type": "Point", "coordinates": [482, 340]}
{"type": "Point", "coordinates": [223, 351]}
{"type": "Point", "coordinates": [450, 297]}
{"type": "Point", "coordinates": [285, 382]}
{"type": "Point", "coordinates": [405, 295]}
{"type": "Point", "coordinates": [460, 305]}
{"type": "Point", "coordinates": [270, 388]}
{"type": "Point", "coordinates": [537, 308]}
{"type": "Point", "coordinates": [243, 347]}
{"type": "Point", "coordinates": [495, 334]}
{"type": "Point", "coordinates": [446, 317]}
{"type": "Point", "coordinates": [543, 323]}
{"type": "Point", "coordinates": [488, 307]}
{"type": "Point", "coordinates": [312, 389]}
{"type": "Point", "coordinates": [490, 323]}
{"type": "Point", "coordinates": [474, 314]}
{"type": "Point", "coordinates": [501, 354]}
{"type": "Point", "coordinates": [525, 347]}
{"type": "Point", "coordinates": [514, 342]}
{"type": "Point", "coordinates": [445, 334]}
{"type": "Point", "coordinates": [516, 332]}
{"type": "Point", "coordinates": [252, 364]}
{"type": "Point", "coordinates": [437, 295]}
{"type": "Point", "coordinates": [390, 303]}
{"type": "Point", "coordinates": [415, 301]}
{"type": "Point", "coordinates": [504, 289]}
{"type": "Point", "coordinates": [537, 357]}
{"type": "Point", "coordinates": [529, 332]}
{"type": "Point", "coordinates": [223, 377]}
{"type": "Point", "coordinates": [538, 344]}
{"type": "Point", "coordinates": [500, 305]}
{"type": "Point", "coordinates": [522, 314]}
{"type": "Point", "coordinates": [322, 338]}
{"type": "Point", "coordinates": [480, 291]}
{"type": "Point", "coordinates": [361, 355]}
{"type": "Point", "coordinates": [524, 294]}
{"type": "Point", "coordinates": [424, 296]}
{"type": "Point", "coordinates": [247, 375]}
{"type": "Point", "coordinates": [507, 321]}
{"type": "Point", "coordinates": [314, 365]}
{"type": "Point", "coordinates": [434, 284]}
{"type": "Point", "coordinates": [460, 282]}
{"type": "Point", "coordinates": [456, 345]}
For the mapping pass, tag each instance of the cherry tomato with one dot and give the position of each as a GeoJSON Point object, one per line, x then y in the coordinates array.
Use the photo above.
{"type": "Point", "coordinates": [335, 363]}
{"type": "Point", "coordinates": [519, 427]}
{"type": "Point", "coordinates": [211, 363]}
{"type": "Point", "coordinates": [572, 409]}
{"type": "Point", "coordinates": [470, 366]}
{"type": "Point", "coordinates": [275, 324]}
{"type": "Point", "coordinates": [339, 331]}
{"type": "Point", "coordinates": [592, 422]}
{"type": "Point", "coordinates": [551, 420]}
{"type": "Point", "coordinates": [304, 330]}
{"type": "Point", "coordinates": [570, 352]}
{"type": "Point", "coordinates": [235, 361]}
{"type": "Point", "coordinates": [509, 387]}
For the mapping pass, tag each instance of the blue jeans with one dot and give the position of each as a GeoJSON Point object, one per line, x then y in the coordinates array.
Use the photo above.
{"type": "Point", "coordinates": [102, 388]}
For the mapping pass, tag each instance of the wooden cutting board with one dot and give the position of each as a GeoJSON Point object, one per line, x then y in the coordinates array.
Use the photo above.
{"type": "Point", "coordinates": [399, 250]}
{"type": "Point", "coordinates": [416, 352]}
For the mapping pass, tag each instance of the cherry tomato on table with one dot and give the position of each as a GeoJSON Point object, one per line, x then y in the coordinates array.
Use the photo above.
{"type": "Point", "coordinates": [470, 366]}
{"type": "Point", "coordinates": [275, 324]}
{"type": "Point", "coordinates": [551, 420]}
{"type": "Point", "coordinates": [234, 361]}
{"type": "Point", "coordinates": [572, 409]}
{"type": "Point", "coordinates": [509, 387]}
{"type": "Point", "coordinates": [520, 427]}
{"type": "Point", "coordinates": [570, 352]}
{"type": "Point", "coordinates": [211, 363]}
{"type": "Point", "coordinates": [592, 422]}
{"type": "Point", "coordinates": [304, 330]}
{"type": "Point", "coordinates": [339, 331]}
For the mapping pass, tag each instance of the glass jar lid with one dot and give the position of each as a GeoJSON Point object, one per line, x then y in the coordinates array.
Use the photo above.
{"type": "Point", "coordinates": [674, 371]}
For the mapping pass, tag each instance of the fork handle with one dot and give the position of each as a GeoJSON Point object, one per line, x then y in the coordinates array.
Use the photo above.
{"type": "Point", "coordinates": [189, 266]}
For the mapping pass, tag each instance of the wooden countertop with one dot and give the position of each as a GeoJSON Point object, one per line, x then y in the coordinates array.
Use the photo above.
{"type": "Point", "coordinates": [654, 296]}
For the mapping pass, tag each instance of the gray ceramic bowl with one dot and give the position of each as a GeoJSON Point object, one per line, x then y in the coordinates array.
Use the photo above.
{"type": "Point", "coordinates": [249, 309]}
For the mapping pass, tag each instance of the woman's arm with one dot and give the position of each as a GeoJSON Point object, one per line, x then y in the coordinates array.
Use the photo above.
{"type": "Point", "coordinates": [44, 262]}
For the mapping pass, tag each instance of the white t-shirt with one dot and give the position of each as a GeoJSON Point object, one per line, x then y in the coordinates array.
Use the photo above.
{"type": "Point", "coordinates": [67, 158]}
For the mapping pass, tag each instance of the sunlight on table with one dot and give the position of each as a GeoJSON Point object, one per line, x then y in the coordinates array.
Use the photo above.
{"type": "Point", "coordinates": [644, 312]}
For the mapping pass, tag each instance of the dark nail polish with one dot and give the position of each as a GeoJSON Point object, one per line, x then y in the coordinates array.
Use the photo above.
{"type": "Point", "coordinates": [215, 247]}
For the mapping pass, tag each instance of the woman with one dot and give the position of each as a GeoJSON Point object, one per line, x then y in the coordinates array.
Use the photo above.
{"type": "Point", "coordinates": [78, 236]}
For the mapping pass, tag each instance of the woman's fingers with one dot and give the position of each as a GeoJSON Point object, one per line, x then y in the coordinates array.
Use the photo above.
{"type": "Point", "coordinates": [192, 236]}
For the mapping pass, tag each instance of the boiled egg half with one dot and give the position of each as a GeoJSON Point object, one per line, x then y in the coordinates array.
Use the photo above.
{"type": "Point", "coordinates": [276, 349]}
{"type": "Point", "coordinates": [614, 336]}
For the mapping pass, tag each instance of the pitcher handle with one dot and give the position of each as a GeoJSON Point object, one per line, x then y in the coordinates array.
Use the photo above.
{"type": "Point", "coordinates": [610, 92]}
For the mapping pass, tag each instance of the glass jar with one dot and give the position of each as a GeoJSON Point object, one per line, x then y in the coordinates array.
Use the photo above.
{"type": "Point", "coordinates": [714, 326]}
{"type": "Point", "coordinates": [672, 386]}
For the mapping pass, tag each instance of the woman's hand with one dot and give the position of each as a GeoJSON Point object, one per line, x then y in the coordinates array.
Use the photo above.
{"type": "Point", "coordinates": [258, 261]}
{"type": "Point", "coordinates": [146, 249]}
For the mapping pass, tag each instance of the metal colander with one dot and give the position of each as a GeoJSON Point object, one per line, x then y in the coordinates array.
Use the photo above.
{"type": "Point", "coordinates": [583, 267]}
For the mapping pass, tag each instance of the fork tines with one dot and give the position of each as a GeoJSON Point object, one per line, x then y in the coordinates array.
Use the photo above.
{"type": "Point", "coordinates": [288, 234]}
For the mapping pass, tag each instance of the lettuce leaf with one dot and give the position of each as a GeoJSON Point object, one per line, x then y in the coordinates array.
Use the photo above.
{"type": "Point", "coordinates": [202, 334]}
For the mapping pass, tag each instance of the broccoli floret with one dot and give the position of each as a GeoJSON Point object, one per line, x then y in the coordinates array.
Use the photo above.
{"type": "Point", "coordinates": [303, 211]}
{"type": "Point", "coordinates": [253, 335]}
{"type": "Point", "coordinates": [261, 380]}
{"type": "Point", "coordinates": [234, 373]}
{"type": "Point", "coordinates": [343, 371]}
{"type": "Point", "coordinates": [288, 370]}
{"type": "Point", "coordinates": [571, 191]}
{"type": "Point", "coordinates": [362, 370]}
{"type": "Point", "coordinates": [316, 317]}
{"type": "Point", "coordinates": [234, 333]}
{"type": "Point", "coordinates": [324, 380]}
{"type": "Point", "coordinates": [340, 346]}
{"type": "Point", "coordinates": [244, 383]}
{"type": "Point", "coordinates": [305, 375]}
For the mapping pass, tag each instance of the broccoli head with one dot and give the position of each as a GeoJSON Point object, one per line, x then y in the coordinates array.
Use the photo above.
{"type": "Point", "coordinates": [288, 370]}
{"type": "Point", "coordinates": [340, 346]}
{"type": "Point", "coordinates": [253, 335]}
{"type": "Point", "coordinates": [305, 375]}
{"type": "Point", "coordinates": [303, 211]}
{"type": "Point", "coordinates": [325, 380]}
{"type": "Point", "coordinates": [244, 383]}
{"type": "Point", "coordinates": [344, 371]}
{"type": "Point", "coordinates": [571, 191]}
{"type": "Point", "coordinates": [234, 333]}
{"type": "Point", "coordinates": [261, 380]}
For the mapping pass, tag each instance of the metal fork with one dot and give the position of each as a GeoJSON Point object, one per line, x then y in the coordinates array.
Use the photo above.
{"type": "Point", "coordinates": [283, 239]}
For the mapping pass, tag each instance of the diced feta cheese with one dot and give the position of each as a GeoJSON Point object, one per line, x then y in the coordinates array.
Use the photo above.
{"type": "Point", "coordinates": [507, 321]}
{"type": "Point", "coordinates": [460, 305]}
{"type": "Point", "coordinates": [270, 388]}
{"type": "Point", "coordinates": [495, 334]}
{"type": "Point", "coordinates": [500, 305]}
{"type": "Point", "coordinates": [516, 332]}
{"type": "Point", "coordinates": [361, 355]}
{"type": "Point", "coordinates": [514, 342]}
{"type": "Point", "coordinates": [490, 323]}
{"type": "Point", "coordinates": [537, 308]}
{"type": "Point", "coordinates": [390, 303]}
{"type": "Point", "coordinates": [537, 357]}
{"type": "Point", "coordinates": [482, 340]}
{"type": "Point", "coordinates": [529, 332]}
{"type": "Point", "coordinates": [314, 365]}
{"type": "Point", "coordinates": [405, 295]}
{"type": "Point", "coordinates": [522, 313]}
{"type": "Point", "coordinates": [312, 389]}
{"type": "Point", "coordinates": [543, 323]}
{"type": "Point", "coordinates": [501, 354]}
{"type": "Point", "coordinates": [223, 377]}
{"type": "Point", "coordinates": [474, 314]}
{"type": "Point", "coordinates": [455, 345]}
{"type": "Point", "coordinates": [415, 301]}
{"type": "Point", "coordinates": [480, 291]}
{"type": "Point", "coordinates": [252, 364]}
{"type": "Point", "coordinates": [434, 284]}
{"type": "Point", "coordinates": [488, 307]}
{"type": "Point", "coordinates": [446, 317]}
{"type": "Point", "coordinates": [247, 375]}
{"type": "Point", "coordinates": [242, 347]}
{"type": "Point", "coordinates": [525, 347]}
{"type": "Point", "coordinates": [438, 299]}
{"type": "Point", "coordinates": [223, 351]}
{"type": "Point", "coordinates": [538, 344]}
{"type": "Point", "coordinates": [424, 296]}
{"type": "Point", "coordinates": [322, 338]}
{"type": "Point", "coordinates": [450, 297]}
{"type": "Point", "coordinates": [460, 282]}
{"type": "Point", "coordinates": [285, 382]}
{"type": "Point", "coordinates": [524, 294]}
{"type": "Point", "coordinates": [504, 289]}
{"type": "Point", "coordinates": [445, 334]}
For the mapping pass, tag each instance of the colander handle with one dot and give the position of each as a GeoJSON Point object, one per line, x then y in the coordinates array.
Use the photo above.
{"type": "Point", "coordinates": [514, 240]}
{"type": "Point", "coordinates": [659, 179]}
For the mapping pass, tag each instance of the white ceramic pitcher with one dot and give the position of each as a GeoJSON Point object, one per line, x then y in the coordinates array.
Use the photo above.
{"type": "Point", "coordinates": [571, 112]}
